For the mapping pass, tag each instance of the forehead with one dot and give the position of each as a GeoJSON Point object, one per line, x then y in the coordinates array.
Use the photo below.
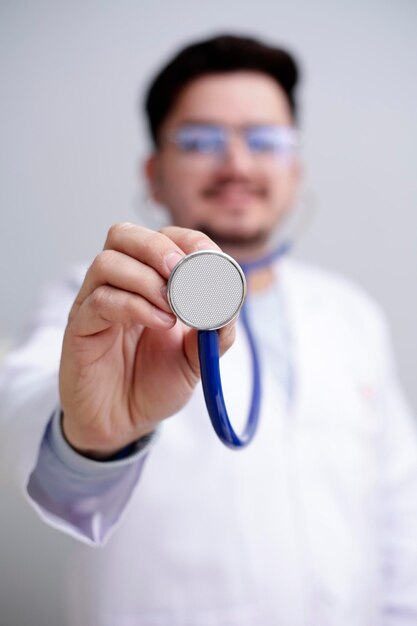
{"type": "Point", "coordinates": [231, 98]}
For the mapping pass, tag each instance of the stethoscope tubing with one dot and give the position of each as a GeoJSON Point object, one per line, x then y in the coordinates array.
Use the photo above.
{"type": "Point", "coordinates": [208, 350]}
{"type": "Point", "coordinates": [209, 357]}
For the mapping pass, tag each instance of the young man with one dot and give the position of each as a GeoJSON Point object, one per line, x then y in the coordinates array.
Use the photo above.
{"type": "Point", "coordinates": [315, 522]}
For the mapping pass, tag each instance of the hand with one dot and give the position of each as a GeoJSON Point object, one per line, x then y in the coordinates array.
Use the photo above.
{"type": "Point", "coordinates": [126, 362]}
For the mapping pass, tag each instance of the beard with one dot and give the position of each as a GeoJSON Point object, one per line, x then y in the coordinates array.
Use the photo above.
{"type": "Point", "coordinates": [235, 240]}
{"type": "Point", "coordinates": [235, 237]}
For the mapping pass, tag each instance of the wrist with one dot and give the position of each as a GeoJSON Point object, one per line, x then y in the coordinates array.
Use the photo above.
{"type": "Point", "coordinates": [98, 451]}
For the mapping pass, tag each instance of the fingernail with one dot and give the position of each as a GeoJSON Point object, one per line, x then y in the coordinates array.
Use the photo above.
{"type": "Point", "coordinates": [165, 317]}
{"type": "Point", "coordinates": [164, 292]}
{"type": "Point", "coordinates": [172, 259]}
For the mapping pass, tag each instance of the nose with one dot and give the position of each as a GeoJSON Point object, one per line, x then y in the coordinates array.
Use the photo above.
{"type": "Point", "coordinates": [236, 159]}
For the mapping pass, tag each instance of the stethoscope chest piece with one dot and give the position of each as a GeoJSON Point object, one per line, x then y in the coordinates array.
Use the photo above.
{"type": "Point", "coordinates": [206, 289]}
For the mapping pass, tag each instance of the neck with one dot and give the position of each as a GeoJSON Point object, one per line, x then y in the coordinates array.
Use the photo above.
{"type": "Point", "coordinates": [260, 278]}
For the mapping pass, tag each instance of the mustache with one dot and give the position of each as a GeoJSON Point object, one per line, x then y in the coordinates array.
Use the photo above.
{"type": "Point", "coordinates": [240, 184]}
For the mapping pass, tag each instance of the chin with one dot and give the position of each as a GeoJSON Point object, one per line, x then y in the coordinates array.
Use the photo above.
{"type": "Point", "coordinates": [236, 237]}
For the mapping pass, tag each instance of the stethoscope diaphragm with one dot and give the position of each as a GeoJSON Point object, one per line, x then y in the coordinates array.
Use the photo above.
{"type": "Point", "coordinates": [206, 289]}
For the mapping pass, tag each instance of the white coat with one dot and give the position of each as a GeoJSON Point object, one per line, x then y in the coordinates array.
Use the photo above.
{"type": "Point", "coordinates": [314, 523]}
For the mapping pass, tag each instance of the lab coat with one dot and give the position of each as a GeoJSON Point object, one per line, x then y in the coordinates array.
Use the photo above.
{"type": "Point", "coordinates": [314, 523]}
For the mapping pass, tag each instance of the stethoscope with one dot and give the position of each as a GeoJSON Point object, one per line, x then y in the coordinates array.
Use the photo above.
{"type": "Point", "coordinates": [206, 291]}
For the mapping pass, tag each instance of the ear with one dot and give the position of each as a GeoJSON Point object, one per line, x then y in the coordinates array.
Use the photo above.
{"type": "Point", "coordinates": [151, 170]}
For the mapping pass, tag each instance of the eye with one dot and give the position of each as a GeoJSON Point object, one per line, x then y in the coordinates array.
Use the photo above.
{"type": "Point", "coordinates": [200, 139]}
{"type": "Point", "coordinates": [260, 140]}
{"type": "Point", "coordinates": [270, 139]}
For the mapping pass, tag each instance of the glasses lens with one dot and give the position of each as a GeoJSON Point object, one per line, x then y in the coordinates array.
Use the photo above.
{"type": "Point", "coordinates": [270, 139]}
{"type": "Point", "coordinates": [200, 139]}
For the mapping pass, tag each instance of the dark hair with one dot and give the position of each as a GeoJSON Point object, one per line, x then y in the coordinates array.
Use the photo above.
{"type": "Point", "coordinates": [224, 53]}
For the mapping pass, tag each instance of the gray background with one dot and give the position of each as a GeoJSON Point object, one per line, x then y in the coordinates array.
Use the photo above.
{"type": "Point", "coordinates": [70, 151]}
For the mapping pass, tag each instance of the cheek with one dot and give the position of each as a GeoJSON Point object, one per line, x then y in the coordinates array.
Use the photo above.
{"type": "Point", "coordinates": [180, 189]}
{"type": "Point", "coordinates": [282, 187]}
{"type": "Point", "coordinates": [173, 181]}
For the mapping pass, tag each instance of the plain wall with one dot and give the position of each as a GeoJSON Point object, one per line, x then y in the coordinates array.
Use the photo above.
{"type": "Point", "coordinates": [70, 152]}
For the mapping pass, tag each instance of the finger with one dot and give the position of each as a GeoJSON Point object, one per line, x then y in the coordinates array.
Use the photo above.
{"type": "Point", "coordinates": [116, 269]}
{"type": "Point", "coordinates": [161, 250]}
{"type": "Point", "coordinates": [143, 244]}
{"type": "Point", "coordinates": [189, 240]}
{"type": "Point", "coordinates": [107, 306]}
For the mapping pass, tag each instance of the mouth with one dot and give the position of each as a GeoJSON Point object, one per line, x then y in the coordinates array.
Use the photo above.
{"type": "Point", "coordinates": [233, 195]}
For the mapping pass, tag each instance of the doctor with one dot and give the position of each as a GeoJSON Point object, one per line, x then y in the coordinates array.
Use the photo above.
{"type": "Point", "coordinates": [104, 428]}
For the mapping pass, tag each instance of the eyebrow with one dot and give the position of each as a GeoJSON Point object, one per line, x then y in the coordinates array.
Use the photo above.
{"type": "Point", "coordinates": [199, 122]}
{"type": "Point", "coordinates": [211, 122]}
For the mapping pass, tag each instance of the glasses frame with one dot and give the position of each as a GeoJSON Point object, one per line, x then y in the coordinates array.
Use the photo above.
{"type": "Point", "coordinates": [229, 130]}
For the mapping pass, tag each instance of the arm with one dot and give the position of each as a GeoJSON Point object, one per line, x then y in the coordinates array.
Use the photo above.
{"type": "Point", "coordinates": [111, 354]}
{"type": "Point", "coordinates": [34, 456]}
{"type": "Point", "coordinates": [29, 382]}
{"type": "Point", "coordinates": [398, 498]}
{"type": "Point", "coordinates": [86, 497]}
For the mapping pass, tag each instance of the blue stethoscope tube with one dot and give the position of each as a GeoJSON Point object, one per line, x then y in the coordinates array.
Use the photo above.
{"type": "Point", "coordinates": [208, 350]}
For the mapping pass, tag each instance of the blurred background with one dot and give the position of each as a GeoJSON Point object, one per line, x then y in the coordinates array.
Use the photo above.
{"type": "Point", "coordinates": [72, 141]}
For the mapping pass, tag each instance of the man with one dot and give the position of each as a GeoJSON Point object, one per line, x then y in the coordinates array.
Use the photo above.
{"type": "Point", "coordinates": [315, 522]}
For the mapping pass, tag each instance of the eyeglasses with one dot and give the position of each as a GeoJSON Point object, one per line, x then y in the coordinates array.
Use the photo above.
{"type": "Point", "coordinates": [210, 139]}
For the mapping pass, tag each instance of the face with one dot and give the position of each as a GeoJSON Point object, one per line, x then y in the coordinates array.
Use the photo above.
{"type": "Point", "coordinates": [237, 196]}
